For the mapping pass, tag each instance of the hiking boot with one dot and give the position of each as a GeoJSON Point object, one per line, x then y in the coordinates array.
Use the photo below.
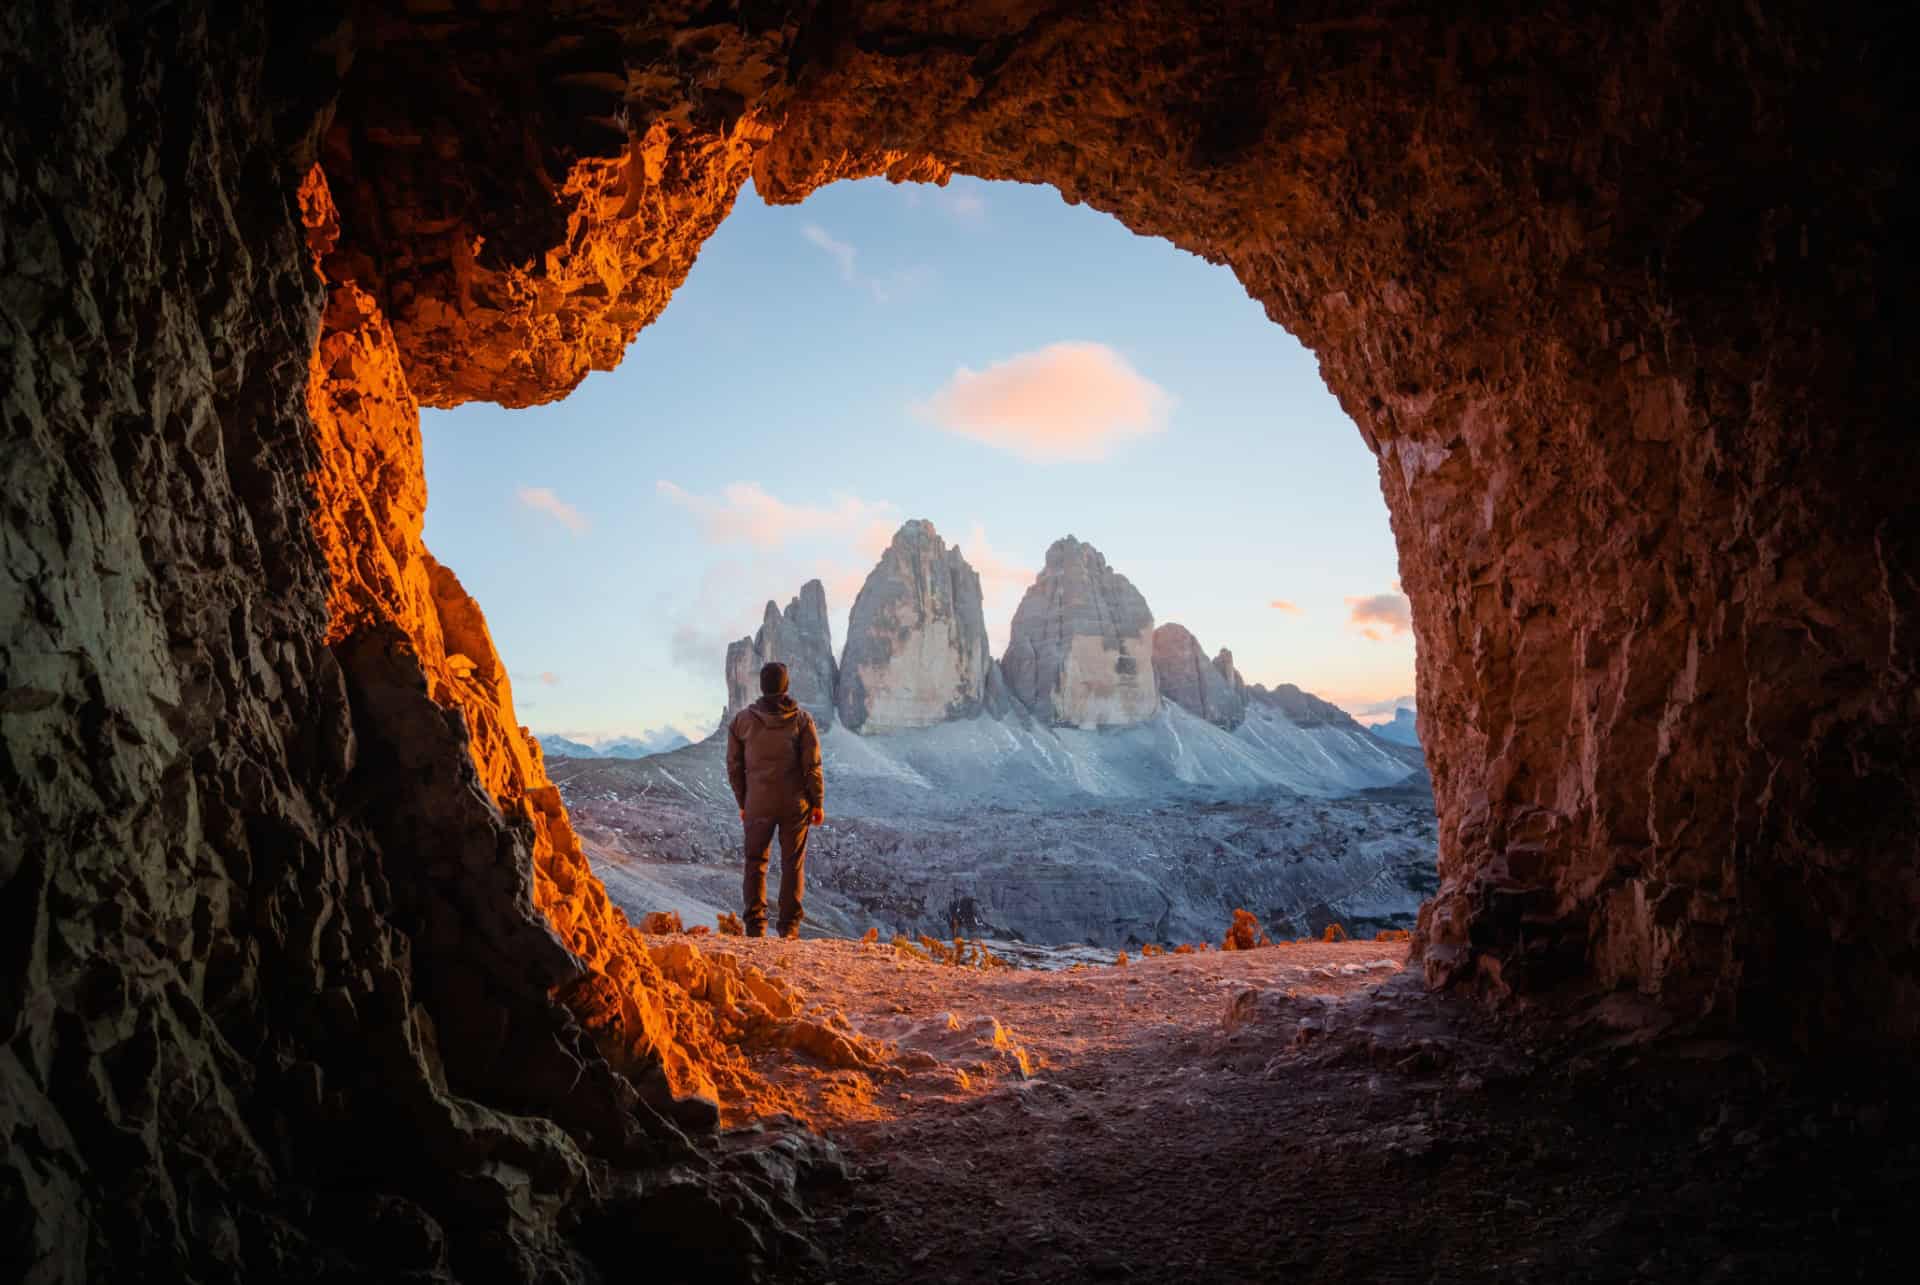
{"type": "Point", "coordinates": [756, 930]}
{"type": "Point", "coordinates": [791, 932]}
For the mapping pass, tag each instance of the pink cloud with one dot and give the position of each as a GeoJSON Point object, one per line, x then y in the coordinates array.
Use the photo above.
{"type": "Point", "coordinates": [1003, 581]}
{"type": "Point", "coordinates": [1067, 401]}
{"type": "Point", "coordinates": [744, 513]}
{"type": "Point", "coordinates": [1380, 615]}
{"type": "Point", "coordinates": [1372, 709]}
{"type": "Point", "coordinates": [1286, 605]}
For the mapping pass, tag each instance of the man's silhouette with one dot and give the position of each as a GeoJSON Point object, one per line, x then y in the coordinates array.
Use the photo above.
{"type": "Point", "coordinates": [773, 761]}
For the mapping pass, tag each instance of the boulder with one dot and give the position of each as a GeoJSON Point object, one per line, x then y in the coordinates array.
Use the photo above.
{"type": "Point", "coordinates": [1081, 650]}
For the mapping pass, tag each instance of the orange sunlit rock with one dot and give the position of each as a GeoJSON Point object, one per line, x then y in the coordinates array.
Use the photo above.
{"type": "Point", "coordinates": [370, 505]}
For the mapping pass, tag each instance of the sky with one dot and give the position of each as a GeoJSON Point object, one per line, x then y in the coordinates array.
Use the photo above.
{"type": "Point", "coordinates": [985, 356]}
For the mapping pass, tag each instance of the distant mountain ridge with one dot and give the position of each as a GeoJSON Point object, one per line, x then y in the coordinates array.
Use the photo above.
{"type": "Point", "coordinates": [659, 740]}
{"type": "Point", "coordinates": [1402, 730]}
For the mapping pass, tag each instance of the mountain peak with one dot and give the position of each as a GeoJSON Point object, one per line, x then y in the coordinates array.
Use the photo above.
{"type": "Point", "coordinates": [1081, 648]}
{"type": "Point", "coordinates": [801, 638]}
{"type": "Point", "coordinates": [917, 533]}
{"type": "Point", "coordinates": [1209, 689]}
{"type": "Point", "coordinates": [917, 651]}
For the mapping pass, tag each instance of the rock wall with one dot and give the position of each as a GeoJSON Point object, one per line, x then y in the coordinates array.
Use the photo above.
{"type": "Point", "coordinates": [917, 650]}
{"type": "Point", "coordinates": [305, 976]}
{"type": "Point", "coordinates": [1209, 689]}
{"type": "Point", "coordinates": [1081, 649]}
{"type": "Point", "coordinates": [801, 637]}
{"type": "Point", "coordinates": [1616, 300]}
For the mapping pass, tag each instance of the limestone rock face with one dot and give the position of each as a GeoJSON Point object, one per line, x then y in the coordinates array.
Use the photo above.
{"type": "Point", "coordinates": [801, 638]}
{"type": "Point", "coordinates": [1081, 650]}
{"type": "Point", "coordinates": [917, 650]}
{"type": "Point", "coordinates": [1210, 689]}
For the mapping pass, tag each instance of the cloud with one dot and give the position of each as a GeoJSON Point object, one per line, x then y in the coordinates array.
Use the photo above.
{"type": "Point", "coordinates": [894, 285]}
{"type": "Point", "coordinates": [960, 200]}
{"type": "Point", "coordinates": [549, 679]}
{"type": "Point", "coordinates": [1380, 615]}
{"type": "Point", "coordinates": [962, 205]}
{"type": "Point", "coordinates": [744, 513]}
{"type": "Point", "coordinates": [1368, 710]}
{"type": "Point", "coordinates": [839, 251]}
{"type": "Point", "coordinates": [1003, 582]}
{"type": "Point", "coordinates": [898, 283]}
{"type": "Point", "coordinates": [731, 599]}
{"type": "Point", "coordinates": [542, 500]}
{"type": "Point", "coordinates": [1067, 401]}
{"type": "Point", "coordinates": [1287, 605]}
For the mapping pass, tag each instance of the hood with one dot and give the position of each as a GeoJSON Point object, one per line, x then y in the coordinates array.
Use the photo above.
{"type": "Point", "coordinates": [774, 710]}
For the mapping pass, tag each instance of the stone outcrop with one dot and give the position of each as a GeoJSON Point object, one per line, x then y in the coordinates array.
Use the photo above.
{"type": "Point", "coordinates": [917, 650]}
{"type": "Point", "coordinates": [1209, 689]}
{"type": "Point", "coordinates": [1081, 650]}
{"type": "Point", "coordinates": [1616, 299]}
{"type": "Point", "coordinates": [801, 638]}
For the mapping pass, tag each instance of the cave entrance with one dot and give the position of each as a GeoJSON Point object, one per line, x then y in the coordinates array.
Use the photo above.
{"type": "Point", "coordinates": [1016, 369]}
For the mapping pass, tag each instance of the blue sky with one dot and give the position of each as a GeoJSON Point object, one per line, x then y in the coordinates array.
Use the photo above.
{"type": "Point", "coordinates": [985, 356]}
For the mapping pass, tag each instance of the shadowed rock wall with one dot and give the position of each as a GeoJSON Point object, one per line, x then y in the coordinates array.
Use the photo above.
{"type": "Point", "coordinates": [1615, 303]}
{"type": "Point", "coordinates": [303, 973]}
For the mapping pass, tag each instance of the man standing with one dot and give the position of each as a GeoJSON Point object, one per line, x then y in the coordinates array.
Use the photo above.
{"type": "Point", "coordinates": [773, 761]}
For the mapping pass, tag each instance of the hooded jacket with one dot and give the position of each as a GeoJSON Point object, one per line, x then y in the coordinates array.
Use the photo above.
{"type": "Point", "coordinates": [773, 759]}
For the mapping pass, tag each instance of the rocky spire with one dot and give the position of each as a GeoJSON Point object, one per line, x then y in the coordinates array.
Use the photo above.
{"type": "Point", "coordinates": [1081, 650]}
{"type": "Point", "coordinates": [916, 649]}
{"type": "Point", "coordinates": [799, 637]}
{"type": "Point", "coordinates": [1209, 689]}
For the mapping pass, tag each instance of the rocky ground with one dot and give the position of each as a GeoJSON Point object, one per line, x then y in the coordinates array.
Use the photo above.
{"type": "Point", "coordinates": [1306, 1112]}
{"type": "Point", "coordinates": [1057, 868]}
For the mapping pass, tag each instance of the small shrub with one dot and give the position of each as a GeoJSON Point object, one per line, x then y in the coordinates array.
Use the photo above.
{"type": "Point", "coordinates": [1121, 960]}
{"type": "Point", "coordinates": [1393, 934]}
{"type": "Point", "coordinates": [1334, 932]}
{"type": "Point", "coordinates": [871, 937]}
{"type": "Point", "coordinates": [730, 925]}
{"type": "Point", "coordinates": [1243, 933]}
{"type": "Point", "coordinates": [661, 921]}
{"type": "Point", "coordinates": [699, 930]}
{"type": "Point", "coordinates": [1184, 948]}
{"type": "Point", "coordinates": [1149, 950]}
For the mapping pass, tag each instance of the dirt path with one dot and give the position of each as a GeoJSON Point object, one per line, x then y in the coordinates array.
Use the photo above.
{"type": "Point", "coordinates": [1309, 1113]}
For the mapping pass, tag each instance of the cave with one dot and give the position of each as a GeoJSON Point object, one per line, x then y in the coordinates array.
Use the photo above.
{"type": "Point", "coordinates": [302, 966]}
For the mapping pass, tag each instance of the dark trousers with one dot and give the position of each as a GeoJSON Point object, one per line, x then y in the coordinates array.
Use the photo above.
{"type": "Point", "coordinates": [793, 869]}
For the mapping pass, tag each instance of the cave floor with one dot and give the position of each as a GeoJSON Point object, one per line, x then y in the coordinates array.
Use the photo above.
{"type": "Point", "coordinates": [1310, 1112]}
